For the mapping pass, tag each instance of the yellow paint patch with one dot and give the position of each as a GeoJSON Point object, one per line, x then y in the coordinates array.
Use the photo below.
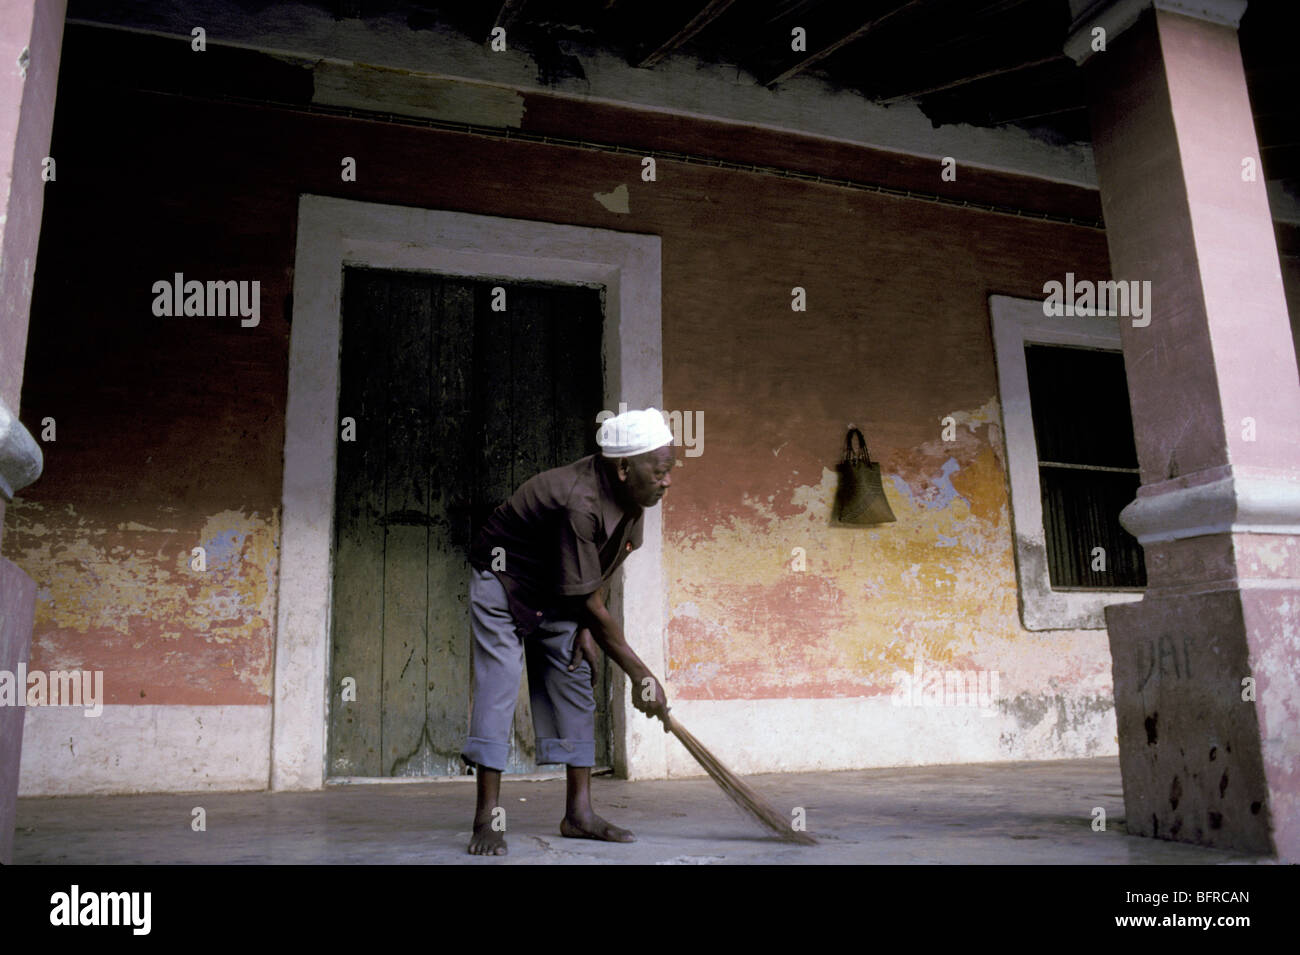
{"type": "Point", "coordinates": [131, 585]}
{"type": "Point", "coordinates": [938, 583]}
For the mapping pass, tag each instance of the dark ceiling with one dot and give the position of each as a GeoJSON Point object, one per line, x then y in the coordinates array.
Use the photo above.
{"type": "Point", "coordinates": [984, 62]}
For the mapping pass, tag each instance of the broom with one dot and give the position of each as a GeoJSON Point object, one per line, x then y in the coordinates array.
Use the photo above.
{"type": "Point", "coordinates": [750, 802]}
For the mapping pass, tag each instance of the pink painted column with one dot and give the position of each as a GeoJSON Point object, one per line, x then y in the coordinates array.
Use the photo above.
{"type": "Point", "coordinates": [1207, 665]}
{"type": "Point", "coordinates": [31, 36]}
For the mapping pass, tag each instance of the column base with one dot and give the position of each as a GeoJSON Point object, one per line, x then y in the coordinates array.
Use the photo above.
{"type": "Point", "coordinates": [1190, 747]}
{"type": "Point", "coordinates": [17, 611]}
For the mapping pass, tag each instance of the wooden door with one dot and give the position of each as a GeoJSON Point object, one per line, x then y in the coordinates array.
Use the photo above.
{"type": "Point", "coordinates": [457, 393]}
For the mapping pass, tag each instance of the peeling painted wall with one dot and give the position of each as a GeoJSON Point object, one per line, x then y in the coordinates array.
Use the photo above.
{"type": "Point", "coordinates": [124, 598]}
{"type": "Point", "coordinates": [894, 343]}
{"type": "Point", "coordinates": [171, 431]}
{"type": "Point", "coordinates": [936, 583]}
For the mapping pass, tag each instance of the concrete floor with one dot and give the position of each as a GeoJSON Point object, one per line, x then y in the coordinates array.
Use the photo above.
{"type": "Point", "coordinates": [1025, 813]}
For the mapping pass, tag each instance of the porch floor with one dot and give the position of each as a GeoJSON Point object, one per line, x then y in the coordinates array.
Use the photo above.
{"type": "Point", "coordinates": [1023, 813]}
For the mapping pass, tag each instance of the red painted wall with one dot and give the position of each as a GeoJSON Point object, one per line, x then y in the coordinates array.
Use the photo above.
{"type": "Point", "coordinates": [170, 430]}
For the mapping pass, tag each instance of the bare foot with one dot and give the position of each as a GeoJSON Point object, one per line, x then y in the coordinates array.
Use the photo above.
{"type": "Point", "coordinates": [593, 827]}
{"type": "Point", "coordinates": [487, 841]}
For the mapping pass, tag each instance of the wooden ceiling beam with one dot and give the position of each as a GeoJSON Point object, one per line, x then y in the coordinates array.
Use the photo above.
{"type": "Point", "coordinates": [1027, 117]}
{"type": "Point", "coordinates": [710, 12]}
{"type": "Point", "coordinates": [510, 9]}
{"type": "Point", "coordinates": [961, 81]}
{"type": "Point", "coordinates": [801, 63]}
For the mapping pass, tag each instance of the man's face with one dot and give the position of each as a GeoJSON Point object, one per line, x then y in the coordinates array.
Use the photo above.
{"type": "Point", "coordinates": [647, 477]}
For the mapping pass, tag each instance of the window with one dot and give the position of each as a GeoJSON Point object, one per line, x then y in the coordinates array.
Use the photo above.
{"type": "Point", "coordinates": [1087, 465]}
{"type": "Point", "coordinates": [1071, 462]}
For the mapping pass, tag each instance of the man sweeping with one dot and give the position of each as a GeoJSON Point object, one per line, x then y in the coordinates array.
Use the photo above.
{"type": "Point", "coordinates": [537, 597]}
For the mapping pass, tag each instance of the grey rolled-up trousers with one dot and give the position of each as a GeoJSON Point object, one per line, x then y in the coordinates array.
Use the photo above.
{"type": "Point", "coordinates": [564, 707]}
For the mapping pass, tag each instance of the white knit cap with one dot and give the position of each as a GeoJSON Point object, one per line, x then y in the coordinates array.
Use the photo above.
{"type": "Point", "coordinates": [633, 432]}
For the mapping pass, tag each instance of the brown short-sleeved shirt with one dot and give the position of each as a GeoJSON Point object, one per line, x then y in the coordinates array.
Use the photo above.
{"type": "Point", "coordinates": [563, 534]}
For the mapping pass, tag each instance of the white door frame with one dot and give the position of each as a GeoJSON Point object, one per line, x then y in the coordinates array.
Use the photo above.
{"type": "Point", "coordinates": [333, 233]}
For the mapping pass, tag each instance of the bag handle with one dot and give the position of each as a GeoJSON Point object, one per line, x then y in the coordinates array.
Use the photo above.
{"type": "Point", "coordinates": [850, 453]}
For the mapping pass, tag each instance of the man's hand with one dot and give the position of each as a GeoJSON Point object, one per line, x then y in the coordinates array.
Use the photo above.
{"type": "Point", "coordinates": [584, 648]}
{"type": "Point", "coordinates": [649, 697]}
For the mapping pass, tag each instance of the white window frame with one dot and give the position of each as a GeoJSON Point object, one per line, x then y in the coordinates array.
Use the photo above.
{"type": "Point", "coordinates": [1017, 322]}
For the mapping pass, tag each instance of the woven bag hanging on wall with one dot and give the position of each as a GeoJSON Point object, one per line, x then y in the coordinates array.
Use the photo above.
{"type": "Point", "coordinates": [860, 497]}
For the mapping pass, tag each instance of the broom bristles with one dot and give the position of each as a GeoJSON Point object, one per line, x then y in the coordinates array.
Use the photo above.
{"type": "Point", "coordinates": [750, 802]}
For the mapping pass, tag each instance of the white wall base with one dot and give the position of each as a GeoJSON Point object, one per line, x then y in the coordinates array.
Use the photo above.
{"type": "Point", "coordinates": [137, 749]}
{"type": "Point", "coordinates": [793, 736]}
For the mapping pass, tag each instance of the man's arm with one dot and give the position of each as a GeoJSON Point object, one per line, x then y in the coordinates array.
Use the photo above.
{"type": "Point", "coordinates": [609, 635]}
